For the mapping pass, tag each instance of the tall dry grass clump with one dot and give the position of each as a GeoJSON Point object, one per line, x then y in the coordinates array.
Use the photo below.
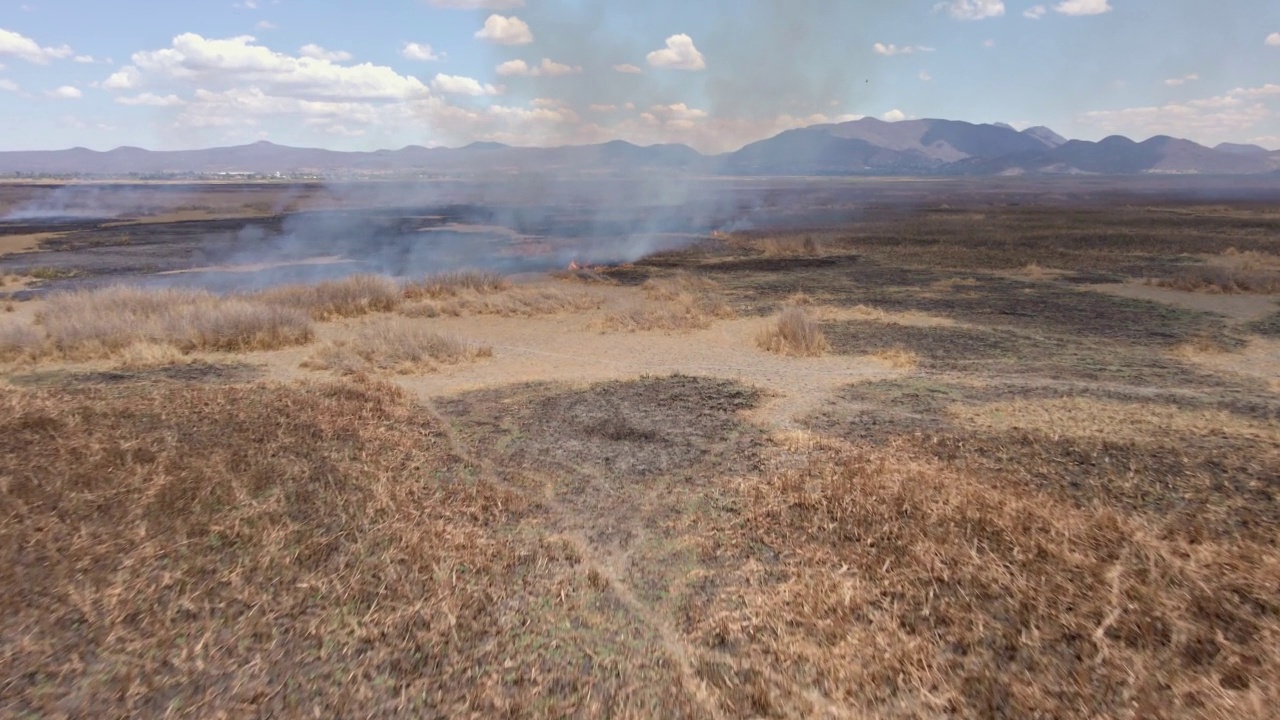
{"type": "Point", "coordinates": [795, 333]}
{"type": "Point", "coordinates": [19, 340]}
{"type": "Point", "coordinates": [452, 284]}
{"type": "Point", "coordinates": [517, 301]}
{"type": "Point", "coordinates": [680, 302]}
{"type": "Point", "coordinates": [264, 550]}
{"type": "Point", "coordinates": [332, 299]}
{"type": "Point", "coordinates": [98, 323]}
{"type": "Point", "coordinates": [903, 587]}
{"type": "Point", "coordinates": [398, 346]}
{"type": "Point", "coordinates": [1224, 280]}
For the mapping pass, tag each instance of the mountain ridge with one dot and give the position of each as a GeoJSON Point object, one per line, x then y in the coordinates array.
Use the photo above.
{"type": "Point", "coordinates": [860, 147]}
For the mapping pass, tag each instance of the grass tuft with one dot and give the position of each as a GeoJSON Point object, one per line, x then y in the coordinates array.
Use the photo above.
{"type": "Point", "coordinates": [398, 346]}
{"type": "Point", "coordinates": [349, 297]}
{"type": "Point", "coordinates": [794, 333]}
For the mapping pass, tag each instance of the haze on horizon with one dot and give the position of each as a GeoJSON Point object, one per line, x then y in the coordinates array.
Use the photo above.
{"type": "Point", "coordinates": [714, 75]}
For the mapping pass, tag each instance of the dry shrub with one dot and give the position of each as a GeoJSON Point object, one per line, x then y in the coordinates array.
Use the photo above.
{"type": "Point", "coordinates": [518, 301]}
{"type": "Point", "coordinates": [20, 340]}
{"type": "Point", "coordinates": [394, 346]}
{"type": "Point", "coordinates": [349, 297]}
{"type": "Point", "coordinates": [265, 550]}
{"type": "Point", "coordinates": [794, 333]}
{"type": "Point", "coordinates": [99, 323]}
{"type": "Point", "coordinates": [678, 287]}
{"type": "Point", "coordinates": [678, 302]}
{"type": "Point", "coordinates": [899, 317]}
{"type": "Point", "coordinates": [1214, 279]}
{"type": "Point", "coordinates": [902, 587]}
{"type": "Point", "coordinates": [898, 358]}
{"type": "Point", "coordinates": [788, 246]}
{"type": "Point", "coordinates": [146, 355]}
{"type": "Point", "coordinates": [445, 285]}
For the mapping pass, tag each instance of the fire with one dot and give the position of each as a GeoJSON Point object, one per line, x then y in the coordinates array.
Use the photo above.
{"type": "Point", "coordinates": [573, 265]}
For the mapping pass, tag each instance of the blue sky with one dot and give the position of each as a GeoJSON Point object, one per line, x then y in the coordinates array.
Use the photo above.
{"type": "Point", "coordinates": [715, 74]}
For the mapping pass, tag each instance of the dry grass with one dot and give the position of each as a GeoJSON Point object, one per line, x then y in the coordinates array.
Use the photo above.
{"type": "Point", "coordinates": [784, 246]}
{"type": "Point", "coordinates": [898, 358]}
{"type": "Point", "coordinates": [99, 323]}
{"type": "Point", "coordinates": [350, 297]}
{"type": "Point", "coordinates": [678, 303]}
{"type": "Point", "coordinates": [398, 346]}
{"type": "Point", "coordinates": [1220, 279]}
{"type": "Point", "coordinates": [903, 587]}
{"type": "Point", "coordinates": [245, 551]}
{"type": "Point", "coordinates": [794, 333]}
{"type": "Point", "coordinates": [448, 285]}
{"type": "Point", "coordinates": [518, 301]}
{"type": "Point", "coordinates": [19, 340]}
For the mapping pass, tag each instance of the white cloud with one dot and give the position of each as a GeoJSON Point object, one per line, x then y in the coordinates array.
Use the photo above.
{"type": "Point", "coordinates": [603, 108]}
{"type": "Point", "coordinates": [505, 31]}
{"type": "Point", "coordinates": [266, 25]}
{"type": "Point", "coordinates": [1221, 117]}
{"type": "Point", "coordinates": [1083, 7]}
{"type": "Point", "coordinates": [891, 49]}
{"type": "Point", "coordinates": [66, 92]}
{"type": "Point", "coordinates": [8, 85]}
{"type": "Point", "coordinates": [459, 85]}
{"type": "Point", "coordinates": [316, 52]}
{"type": "Point", "coordinates": [548, 68]}
{"type": "Point", "coordinates": [628, 69]}
{"type": "Point", "coordinates": [11, 43]}
{"type": "Point", "coordinates": [1035, 12]}
{"type": "Point", "coordinates": [894, 115]}
{"type": "Point", "coordinates": [972, 9]}
{"type": "Point", "coordinates": [925, 76]}
{"type": "Point", "coordinates": [679, 54]}
{"type": "Point", "coordinates": [988, 43]}
{"type": "Point", "coordinates": [1273, 39]}
{"type": "Point", "coordinates": [415, 51]}
{"type": "Point", "coordinates": [1175, 82]}
{"type": "Point", "coordinates": [126, 78]}
{"type": "Point", "coordinates": [150, 99]}
{"type": "Point", "coordinates": [84, 59]}
{"type": "Point", "coordinates": [477, 4]}
{"type": "Point", "coordinates": [238, 61]}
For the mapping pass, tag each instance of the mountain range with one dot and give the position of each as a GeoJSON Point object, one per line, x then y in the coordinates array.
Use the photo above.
{"type": "Point", "coordinates": [861, 147]}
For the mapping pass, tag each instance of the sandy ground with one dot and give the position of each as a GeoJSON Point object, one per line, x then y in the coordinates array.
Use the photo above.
{"type": "Point", "coordinates": [24, 243]}
{"type": "Point", "coordinates": [1259, 359]}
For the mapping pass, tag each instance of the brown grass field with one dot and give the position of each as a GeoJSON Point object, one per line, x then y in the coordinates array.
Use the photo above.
{"type": "Point", "coordinates": [960, 460]}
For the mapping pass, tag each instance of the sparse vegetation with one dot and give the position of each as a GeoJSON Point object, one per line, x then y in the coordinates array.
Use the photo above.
{"type": "Point", "coordinates": [448, 285]}
{"type": "Point", "coordinates": [332, 299]}
{"type": "Point", "coordinates": [1223, 279]}
{"type": "Point", "coordinates": [898, 358]}
{"type": "Point", "coordinates": [678, 303]}
{"type": "Point", "coordinates": [400, 346]}
{"type": "Point", "coordinates": [794, 333]}
{"type": "Point", "coordinates": [517, 301]}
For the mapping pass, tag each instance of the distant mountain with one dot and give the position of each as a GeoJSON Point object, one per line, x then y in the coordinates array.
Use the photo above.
{"type": "Point", "coordinates": [861, 147]}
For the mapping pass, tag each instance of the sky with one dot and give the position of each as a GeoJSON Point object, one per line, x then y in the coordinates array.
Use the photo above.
{"type": "Point", "coordinates": [714, 74]}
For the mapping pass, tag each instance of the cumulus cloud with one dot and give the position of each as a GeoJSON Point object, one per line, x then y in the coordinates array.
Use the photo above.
{"type": "Point", "coordinates": [894, 115]}
{"type": "Point", "coordinates": [891, 49]}
{"type": "Point", "coordinates": [1175, 82]}
{"type": "Point", "coordinates": [20, 46]}
{"type": "Point", "coordinates": [1083, 7]}
{"type": "Point", "coordinates": [597, 108]}
{"type": "Point", "coordinates": [971, 9]}
{"type": "Point", "coordinates": [1273, 39]}
{"type": "Point", "coordinates": [8, 85]}
{"type": "Point", "coordinates": [315, 52]}
{"type": "Point", "coordinates": [1220, 117]}
{"type": "Point", "coordinates": [193, 59]}
{"type": "Point", "coordinates": [477, 4]}
{"type": "Point", "coordinates": [628, 69]}
{"type": "Point", "coordinates": [679, 54]}
{"type": "Point", "coordinates": [151, 100]}
{"type": "Point", "coordinates": [548, 68]}
{"type": "Point", "coordinates": [460, 85]}
{"type": "Point", "coordinates": [1035, 12]}
{"type": "Point", "coordinates": [266, 25]}
{"type": "Point", "coordinates": [505, 31]}
{"type": "Point", "coordinates": [84, 59]}
{"type": "Point", "coordinates": [415, 51]}
{"type": "Point", "coordinates": [66, 92]}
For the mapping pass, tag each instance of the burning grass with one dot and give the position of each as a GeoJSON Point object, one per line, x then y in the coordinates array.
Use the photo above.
{"type": "Point", "coordinates": [349, 297]}
{"type": "Point", "coordinates": [399, 346]}
{"type": "Point", "coordinates": [904, 587]}
{"type": "Point", "coordinates": [794, 333]}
